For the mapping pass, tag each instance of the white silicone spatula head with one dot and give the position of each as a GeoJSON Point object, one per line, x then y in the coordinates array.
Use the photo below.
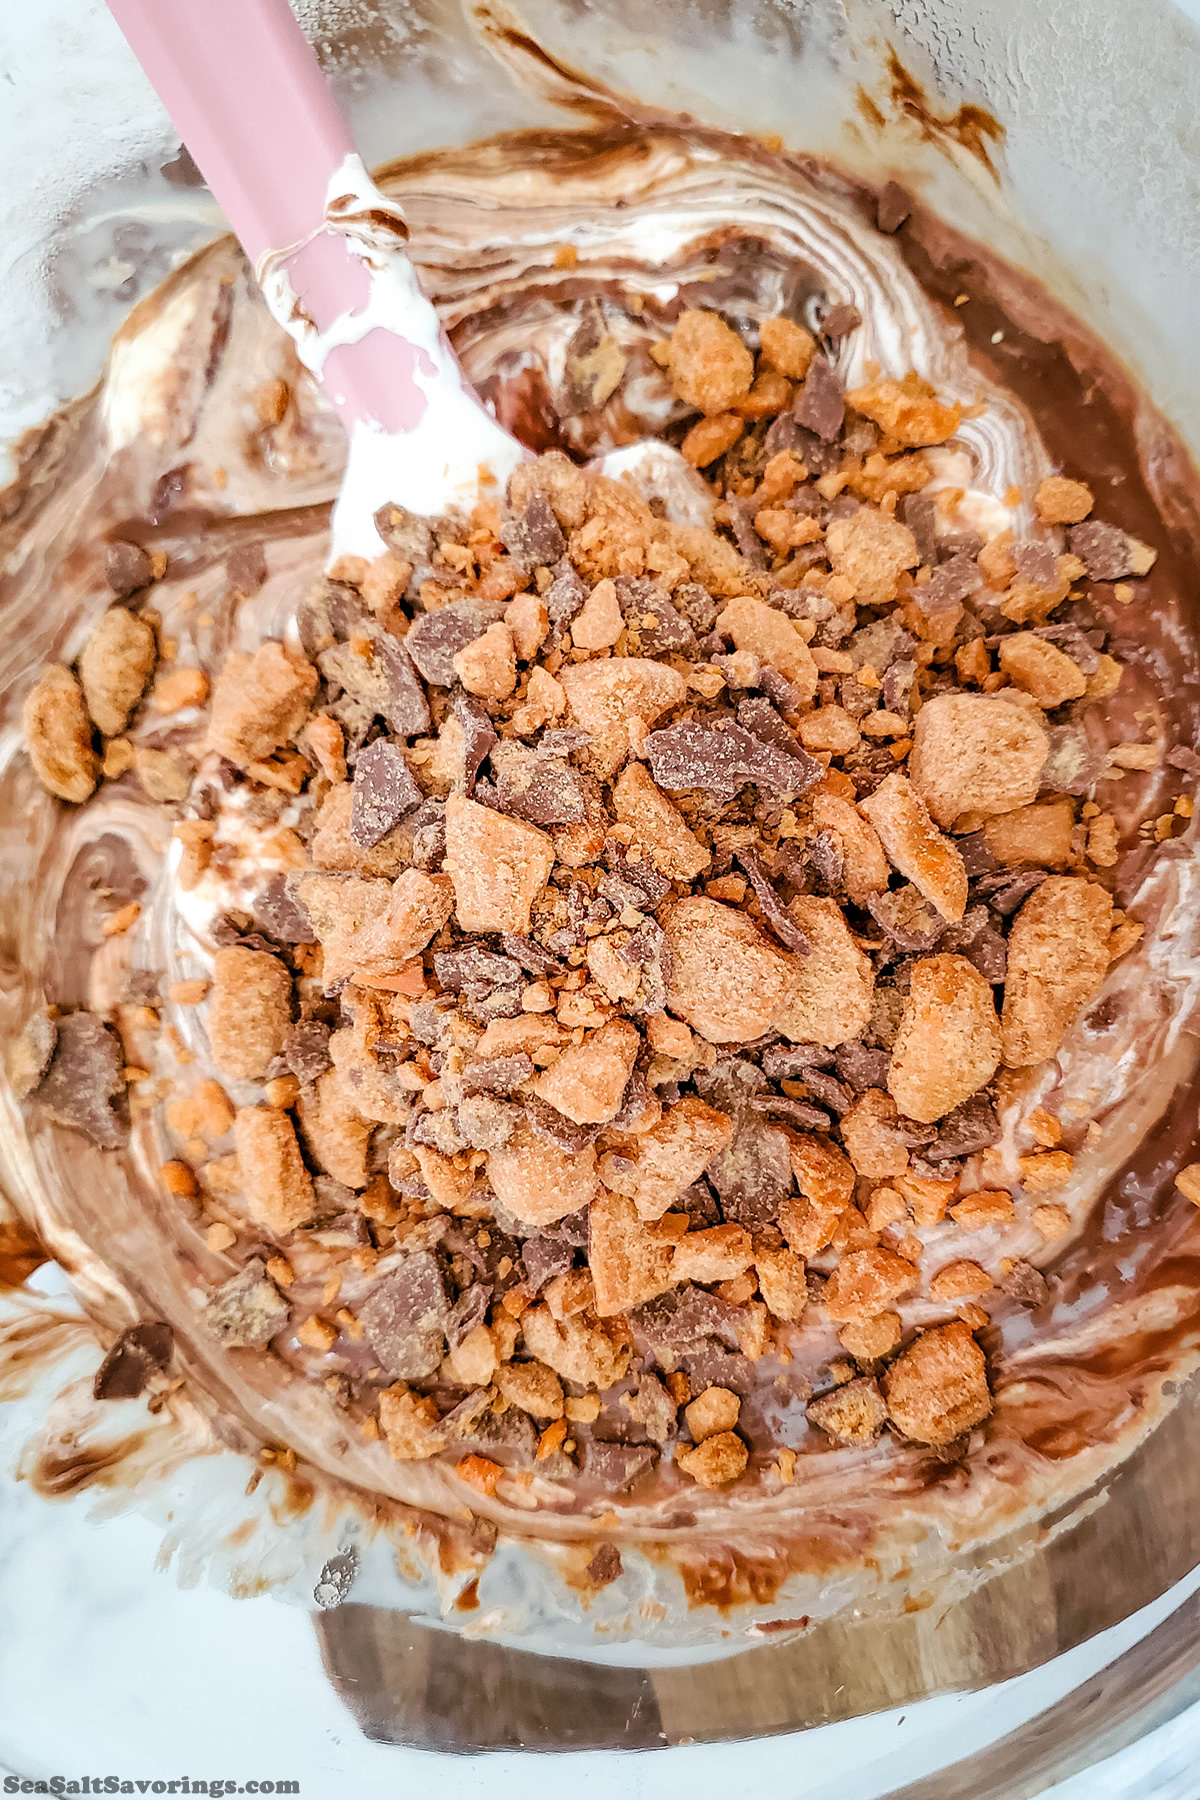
{"type": "Point", "coordinates": [244, 90]}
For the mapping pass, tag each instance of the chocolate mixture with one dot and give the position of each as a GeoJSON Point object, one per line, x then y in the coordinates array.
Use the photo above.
{"type": "Point", "coordinates": [641, 1009]}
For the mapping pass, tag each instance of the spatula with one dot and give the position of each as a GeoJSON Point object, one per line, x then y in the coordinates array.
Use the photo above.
{"type": "Point", "coordinates": [244, 90]}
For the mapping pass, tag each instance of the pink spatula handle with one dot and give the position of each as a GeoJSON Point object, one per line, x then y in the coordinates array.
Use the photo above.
{"type": "Point", "coordinates": [243, 87]}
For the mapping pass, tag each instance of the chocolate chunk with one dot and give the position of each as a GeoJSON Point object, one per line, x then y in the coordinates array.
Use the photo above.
{"type": "Point", "coordinates": [498, 1075]}
{"type": "Point", "coordinates": [1005, 892]}
{"type": "Point", "coordinates": [684, 1318]}
{"type": "Point", "coordinates": [280, 915]}
{"type": "Point", "coordinates": [858, 439]}
{"type": "Point", "coordinates": [880, 644]}
{"type": "Point", "coordinates": [385, 791]}
{"type": "Point", "coordinates": [405, 709]}
{"type": "Point", "coordinates": [700, 1204]}
{"type": "Point", "coordinates": [404, 532]}
{"type": "Point", "coordinates": [783, 433]}
{"type": "Point", "coordinates": [1035, 564]}
{"type": "Point", "coordinates": [30, 1055]}
{"type": "Point", "coordinates": [781, 692]}
{"type": "Point", "coordinates": [605, 1566]}
{"type": "Point", "coordinates": [475, 971]}
{"type": "Point", "coordinates": [820, 404]}
{"type": "Point", "coordinates": [384, 682]}
{"type": "Point", "coordinates": [543, 791]}
{"type": "Point", "coordinates": [828, 1089]}
{"type": "Point", "coordinates": [246, 568]}
{"type": "Point", "coordinates": [800, 1113]}
{"type": "Point", "coordinates": [565, 595]}
{"type": "Point", "coordinates": [1074, 642]}
{"type": "Point", "coordinates": [531, 956]}
{"type": "Point", "coordinates": [720, 760]}
{"type": "Point", "coordinates": [327, 615]}
{"type": "Point", "coordinates": [143, 987]}
{"type": "Point", "coordinates": [235, 929]}
{"type": "Point", "coordinates": [428, 827]}
{"type": "Point", "coordinates": [139, 1353]}
{"type": "Point", "coordinates": [649, 951]}
{"type": "Point", "coordinates": [127, 567]}
{"type": "Point", "coordinates": [647, 946]}
{"type": "Point", "coordinates": [336, 1579]}
{"type": "Point", "coordinates": [761, 718]}
{"type": "Point", "coordinates": [741, 519]}
{"type": "Point", "coordinates": [641, 599]}
{"type": "Point", "coordinates": [697, 606]}
{"type": "Point", "coordinates": [753, 1174]}
{"type": "Point", "coordinates": [479, 737]}
{"type": "Point", "coordinates": [434, 640]}
{"type": "Point", "coordinates": [306, 1049]}
{"type": "Point", "coordinates": [573, 1229]}
{"type": "Point", "coordinates": [647, 887]}
{"type": "Point", "coordinates": [773, 909]}
{"type": "Point", "coordinates": [509, 1437]}
{"type": "Point", "coordinates": [730, 1082]}
{"type": "Point", "coordinates": [617, 1466]}
{"type": "Point", "coordinates": [1184, 758]}
{"type": "Point", "coordinates": [970, 1127]}
{"type": "Point", "coordinates": [710, 1366]}
{"type": "Point", "coordinates": [485, 1123]}
{"type": "Point", "coordinates": [1104, 549]}
{"type": "Point", "coordinates": [83, 1077]}
{"type": "Point", "coordinates": [169, 490]}
{"type": "Point", "coordinates": [781, 1062]}
{"type": "Point", "coordinates": [959, 543]}
{"type": "Point", "coordinates": [332, 1198]}
{"type": "Point", "coordinates": [1025, 1284]}
{"type": "Point", "coordinates": [634, 1101]}
{"type": "Point", "coordinates": [552, 1125]}
{"type": "Point", "coordinates": [892, 208]}
{"type": "Point", "coordinates": [468, 1311]}
{"type": "Point", "coordinates": [248, 1311]}
{"type": "Point", "coordinates": [544, 1258]}
{"type": "Point", "coordinates": [840, 321]}
{"type": "Point", "coordinates": [405, 1315]}
{"type": "Point", "coordinates": [1074, 763]}
{"type": "Point", "coordinates": [563, 741]}
{"type": "Point", "coordinates": [977, 858]}
{"type": "Point", "coordinates": [345, 1231]}
{"type": "Point", "coordinates": [909, 920]}
{"type": "Point", "coordinates": [979, 942]}
{"type": "Point", "coordinates": [989, 954]}
{"type": "Point", "coordinates": [534, 536]}
{"type": "Point", "coordinates": [919, 513]}
{"type": "Point", "coordinates": [502, 1250]}
{"type": "Point", "coordinates": [501, 1003]}
{"type": "Point", "coordinates": [824, 852]}
{"type": "Point", "coordinates": [436, 1130]}
{"type": "Point", "coordinates": [965, 931]}
{"type": "Point", "coordinates": [950, 584]}
{"type": "Point", "coordinates": [861, 1066]}
{"type": "Point", "coordinates": [357, 720]}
